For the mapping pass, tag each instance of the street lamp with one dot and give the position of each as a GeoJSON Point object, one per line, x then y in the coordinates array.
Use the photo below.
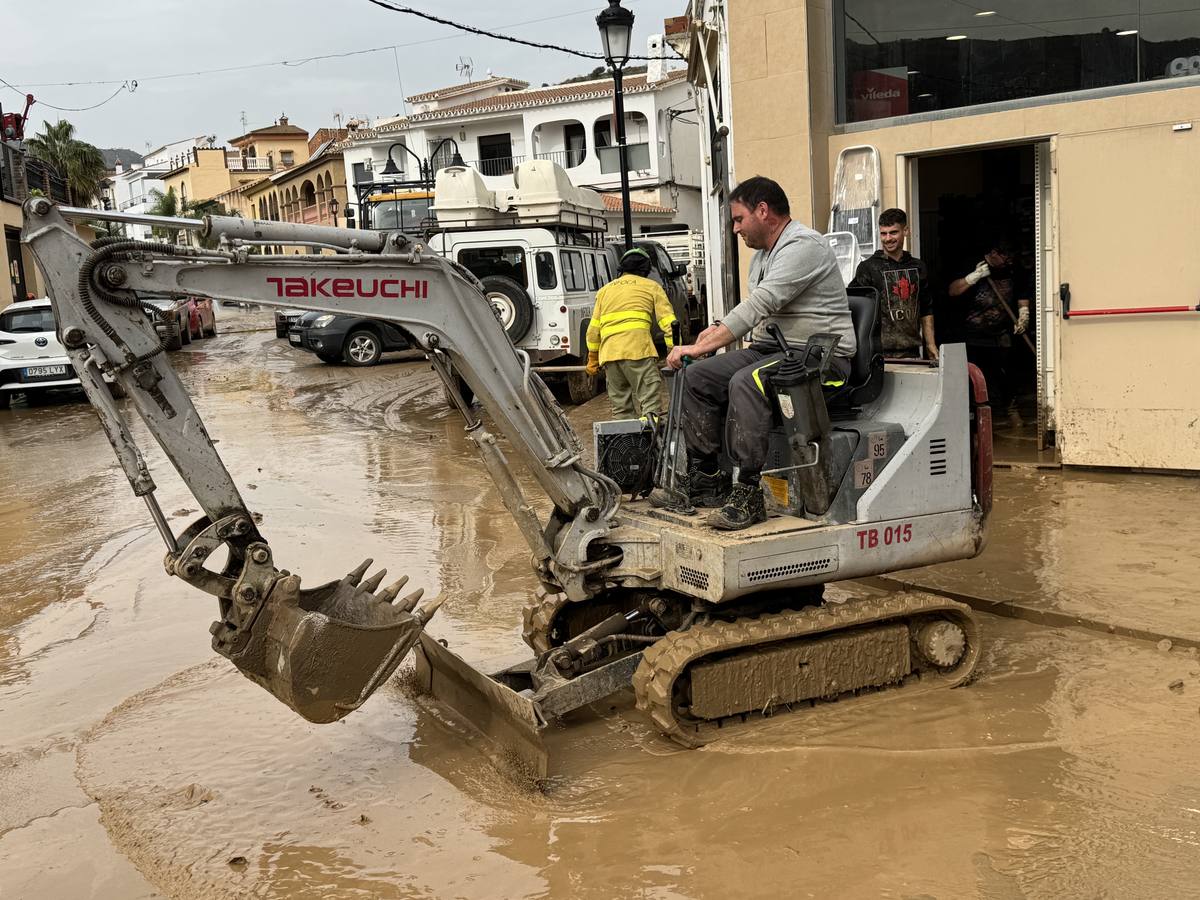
{"type": "Point", "coordinates": [616, 31]}
{"type": "Point", "coordinates": [333, 209]}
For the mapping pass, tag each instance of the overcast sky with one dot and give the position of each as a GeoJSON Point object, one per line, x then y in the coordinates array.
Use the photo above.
{"type": "Point", "coordinates": [74, 41]}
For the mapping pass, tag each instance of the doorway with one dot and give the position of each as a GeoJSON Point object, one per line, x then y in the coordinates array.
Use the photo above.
{"type": "Point", "coordinates": [967, 202]}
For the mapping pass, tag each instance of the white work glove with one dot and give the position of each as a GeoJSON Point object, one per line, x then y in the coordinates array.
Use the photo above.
{"type": "Point", "coordinates": [981, 272]}
{"type": "Point", "coordinates": [1022, 321]}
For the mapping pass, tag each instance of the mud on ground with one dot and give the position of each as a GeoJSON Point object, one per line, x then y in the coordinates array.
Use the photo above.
{"type": "Point", "coordinates": [134, 763]}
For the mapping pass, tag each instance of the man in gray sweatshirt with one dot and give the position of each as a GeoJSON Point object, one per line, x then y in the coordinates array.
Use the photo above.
{"type": "Point", "coordinates": [795, 283]}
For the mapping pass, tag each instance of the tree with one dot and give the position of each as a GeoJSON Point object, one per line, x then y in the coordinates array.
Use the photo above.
{"type": "Point", "coordinates": [81, 164]}
{"type": "Point", "coordinates": [168, 205]}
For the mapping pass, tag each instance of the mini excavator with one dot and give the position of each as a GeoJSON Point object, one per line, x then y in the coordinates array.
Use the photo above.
{"type": "Point", "coordinates": [709, 628]}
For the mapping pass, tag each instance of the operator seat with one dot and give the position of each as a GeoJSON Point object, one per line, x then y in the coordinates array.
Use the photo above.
{"type": "Point", "coordinates": [866, 366]}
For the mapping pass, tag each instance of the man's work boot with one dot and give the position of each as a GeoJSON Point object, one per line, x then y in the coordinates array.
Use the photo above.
{"type": "Point", "coordinates": [700, 488]}
{"type": "Point", "coordinates": [745, 507]}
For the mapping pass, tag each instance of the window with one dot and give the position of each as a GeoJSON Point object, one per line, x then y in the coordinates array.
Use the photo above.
{"type": "Point", "coordinates": [410, 215]}
{"type": "Point", "coordinates": [894, 59]}
{"type": "Point", "coordinates": [495, 154]}
{"type": "Point", "coordinates": [27, 321]}
{"type": "Point", "coordinates": [287, 157]}
{"type": "Point", "coordinates": [485, 261]}
{"type": "Point", "coordinates": [361, 175]}
{"type": "Point", "coordinates": [574, 278]}
{"type": "Point", "coordinates": [547, 278]}
{"type": "Point", "coordinates": [575, 139]}
{"type": "Point", "coordinates": [594, 281]}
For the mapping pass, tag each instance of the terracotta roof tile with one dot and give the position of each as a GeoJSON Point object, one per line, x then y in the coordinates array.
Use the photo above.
{"type": "Point", "coordinates": [561, 93]}
{"type": "Point", "coordinates": [612, 203]}
{"type": "Point", "coordinates": [455, 89]}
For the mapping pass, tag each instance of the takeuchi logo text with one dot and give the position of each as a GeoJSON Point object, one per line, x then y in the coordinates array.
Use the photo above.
{"type": "Point", "coordinates": [387, 288]}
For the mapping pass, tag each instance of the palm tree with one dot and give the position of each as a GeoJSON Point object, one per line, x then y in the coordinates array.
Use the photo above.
{"type": "Point", "coordinates": [81, 164]}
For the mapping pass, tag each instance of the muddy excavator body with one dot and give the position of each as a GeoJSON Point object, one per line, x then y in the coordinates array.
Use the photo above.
{"type": "Point", "coordinates": [708, 628]}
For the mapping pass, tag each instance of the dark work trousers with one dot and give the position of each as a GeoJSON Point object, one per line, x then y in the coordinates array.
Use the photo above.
{"type": "Point", "coordinates": [722, 396]}
{"type": "Point", "coordinates": [993, 363]}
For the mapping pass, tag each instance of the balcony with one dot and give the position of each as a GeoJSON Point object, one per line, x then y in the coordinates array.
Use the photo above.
{"type": "Point", "coordinates": [133, 201]}
{"type": "Point", "coordinates": [568, 159]}
{"type": "Point", "coordinates": [235, 163]}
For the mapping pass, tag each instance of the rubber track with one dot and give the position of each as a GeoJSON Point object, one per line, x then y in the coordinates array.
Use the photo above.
{"type": "Point", "coordinates": [537, 619]}
{"type": "Point", "coordinates": [664, 662]}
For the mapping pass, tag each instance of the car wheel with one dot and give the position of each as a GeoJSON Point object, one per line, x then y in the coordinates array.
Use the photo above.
{"type": "Point", "coordinates": [5, 399]}
{"type": "Point", "coordinates": [582, 387]}
{"type": "Point", "coordinates": [363, 348]}
{"type": "Point", "coordinates": [332, 358]}
{"type": "Point", "coordinates": [511, 304]}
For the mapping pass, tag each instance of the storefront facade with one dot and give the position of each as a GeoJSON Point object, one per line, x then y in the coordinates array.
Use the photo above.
{"type": "Point", "coordinates": [1071, 122]}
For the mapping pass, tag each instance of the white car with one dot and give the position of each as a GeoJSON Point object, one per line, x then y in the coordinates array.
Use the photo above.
{"type": "Point", "coordinates": [31, 358]}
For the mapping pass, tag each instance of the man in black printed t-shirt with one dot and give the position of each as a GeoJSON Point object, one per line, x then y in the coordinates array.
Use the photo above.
{"type": "Point", "coordinates": [905, 303]}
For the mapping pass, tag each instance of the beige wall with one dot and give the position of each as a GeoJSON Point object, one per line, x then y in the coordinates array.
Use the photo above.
{"type": "Point", "coordinates": [274, 146]}
{"type": "Point", "coordinates": [1123, 229]}
{"type": "Point", "coordinates": [204, 179]}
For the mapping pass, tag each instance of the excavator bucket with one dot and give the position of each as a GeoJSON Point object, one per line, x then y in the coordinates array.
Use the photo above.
{"type": "Point", "coordinates": [324, 651]}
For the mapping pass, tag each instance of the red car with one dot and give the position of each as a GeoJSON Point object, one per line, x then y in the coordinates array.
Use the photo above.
{"type": "Point", "coordinates": [196, 320]}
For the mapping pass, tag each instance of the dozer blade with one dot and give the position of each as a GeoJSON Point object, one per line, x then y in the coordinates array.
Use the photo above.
{"type": "Point", "coordinates": [324, 651]}
{"type": "Point", "coordinates": [512, 709]}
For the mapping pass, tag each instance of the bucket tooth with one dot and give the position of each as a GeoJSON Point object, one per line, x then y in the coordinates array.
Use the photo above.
{"type": "Point", "coordinates": [324, 651]}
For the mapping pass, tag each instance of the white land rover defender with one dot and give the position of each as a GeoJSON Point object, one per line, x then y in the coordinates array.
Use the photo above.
{"type": "Point", "coordinates": [538, 248]}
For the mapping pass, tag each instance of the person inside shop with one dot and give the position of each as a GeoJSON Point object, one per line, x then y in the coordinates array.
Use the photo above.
{"type": "Point", "coordinates": [996, 296]}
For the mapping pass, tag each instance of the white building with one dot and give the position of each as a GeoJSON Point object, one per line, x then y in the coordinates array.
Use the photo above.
{"type": "Point", "coordinates": [499, 122]}
{"type": "Point", "coordinates": [130, 189]}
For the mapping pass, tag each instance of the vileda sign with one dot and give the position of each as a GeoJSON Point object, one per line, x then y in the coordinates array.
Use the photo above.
{"type": "Point", "coordinates": [879, 93]}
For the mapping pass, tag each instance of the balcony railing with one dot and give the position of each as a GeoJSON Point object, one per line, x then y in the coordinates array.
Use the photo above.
{"type": "Point", "coordinates": [237, 163]}
{"type": "Point", "coordinates": [12, 178]}
{"type": "Point", "coordinates": [502, 165]}
{"type": "Point", "coordinates": [133, 201]}
{"type": "Point", "coordinates": [568, 159]}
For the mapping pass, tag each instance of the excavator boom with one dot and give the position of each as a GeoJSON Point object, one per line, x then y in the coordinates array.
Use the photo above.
{"type": "Point", "coordinates": [322, 651]}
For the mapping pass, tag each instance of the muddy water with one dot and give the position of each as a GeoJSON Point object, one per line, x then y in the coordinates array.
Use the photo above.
{"type": "Point", "coordinates": [1118, 549]}
{"type": "Point", "coordinates": [134, 763]}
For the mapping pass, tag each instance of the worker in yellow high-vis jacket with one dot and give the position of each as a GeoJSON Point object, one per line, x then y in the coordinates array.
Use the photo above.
{"type": "Point", "coordinates": [618, 337]}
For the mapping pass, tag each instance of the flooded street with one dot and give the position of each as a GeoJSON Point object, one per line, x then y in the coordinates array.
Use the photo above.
{"type": "Point", "coordinates": [136, 763]}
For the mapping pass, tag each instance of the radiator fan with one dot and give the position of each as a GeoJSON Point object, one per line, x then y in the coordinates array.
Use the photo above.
{"type": "Point", "coordinates": [625, 453]}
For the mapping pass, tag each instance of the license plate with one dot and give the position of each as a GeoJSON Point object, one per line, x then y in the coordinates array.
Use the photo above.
{"type": "Point", "coordinates": [44, 371]}
{"type": "Point", "coordinates": [294, 338]}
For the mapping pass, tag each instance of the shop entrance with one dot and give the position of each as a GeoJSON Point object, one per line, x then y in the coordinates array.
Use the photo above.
{"type": "Point", "coordinates": [969, 203]}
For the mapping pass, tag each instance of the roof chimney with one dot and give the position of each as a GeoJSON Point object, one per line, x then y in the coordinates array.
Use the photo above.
{"type": "Point", "coordinates": [283, 120]}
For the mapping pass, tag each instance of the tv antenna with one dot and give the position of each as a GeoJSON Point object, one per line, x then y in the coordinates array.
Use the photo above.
{"type": "Point", "coordinates": [465, 67]}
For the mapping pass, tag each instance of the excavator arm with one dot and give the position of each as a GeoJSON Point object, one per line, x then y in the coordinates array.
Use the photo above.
{"type": "Point", "coordinates": [324, 650]}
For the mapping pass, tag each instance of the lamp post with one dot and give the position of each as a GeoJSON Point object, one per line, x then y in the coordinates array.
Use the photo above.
{"type": "Point", "coordinates": [616, 30]}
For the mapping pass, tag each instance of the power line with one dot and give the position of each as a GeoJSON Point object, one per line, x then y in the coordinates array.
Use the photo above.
{"type": "Point", "coordinates": [299, 61]}
{"type": "Point", "coordinates": [130, 86]}
{"type": "Point", "coordinates": [470, 29]}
